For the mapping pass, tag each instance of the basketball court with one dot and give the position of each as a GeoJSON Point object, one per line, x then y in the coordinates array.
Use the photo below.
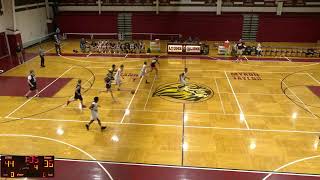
{"type": "Point", "coordinates": [258, 118]}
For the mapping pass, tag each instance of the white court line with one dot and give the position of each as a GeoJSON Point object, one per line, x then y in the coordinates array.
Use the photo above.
{"type": "Point", "coordinates": [201, 113]}
{"type": "Point", "coordinates": [246, 58]}
{"type": "Point", "coordinates": [89, 54]}
{"type": "Point", "coordinates": [135, 92]}
{"type": "Point", "coordinates": [33, 58]}
{"type": "Point", "coordinates": [87, 81]}
{"type": "Point", "coordinates": [208, 70]}
{"type": "Point", "coordinates": [145, 105]}
{"type": "Point", "coordinates": [255, 93]}
{"type": "Point", "coordinates": [187, 167]}
{"type": "Point", "coordinates": [286, 165]}
{"type": "Point", "coordinates": [313, 78]}
{"type": "Point", "coordinates": [215, 80]}
{"type": "Point", "coordinates": [172, 125]}
{"type": "Point", "coordinates": [303, 65]}
{"type": "Point", "coordinates": [61, 142]}
{"type": "Point", "coordinates": [98, 62]}
{"type": "Point", "coordinates": [299, 99]}
{"type": "Point", "coordinates": [39, 92]}
{"type": "Point", "coordinates": [235, 96]}
{"type": "Point", "coordinates": [287, 58]}
{"type": "Point", "coordinates": [172, 75]}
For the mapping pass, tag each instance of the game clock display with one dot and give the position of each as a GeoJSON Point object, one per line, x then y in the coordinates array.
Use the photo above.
{"type": "Point", "coordinates": [27, 166]}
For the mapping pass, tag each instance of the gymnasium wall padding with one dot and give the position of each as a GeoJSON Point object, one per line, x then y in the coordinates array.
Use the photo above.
{"type": "Point", "coordinates": [206, 26]}
{"type": "Point", "coordinates": [87, 22]}
{"type": "Point", "coordinates": [289, 28]}
{"type": "Point", "coordinates": [3, 45]}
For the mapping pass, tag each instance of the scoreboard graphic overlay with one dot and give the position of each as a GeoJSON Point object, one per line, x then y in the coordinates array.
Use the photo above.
{"type": "Point", "coordinates": [27, 166]}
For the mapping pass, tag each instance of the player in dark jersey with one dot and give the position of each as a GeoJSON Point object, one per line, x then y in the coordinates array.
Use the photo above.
{"type": "Point", "coordinates": [108, 81]}
{"type": "Point", "coordinates": [240, 48]}
{"type": "Point", "coordinates": [32, 82]}
{"type": "Point", "coordinates": [154, 61]}
{"type": "Point", "coordinates": [77, 95]}
{"type": "Point", "coordinates": [111, 72]}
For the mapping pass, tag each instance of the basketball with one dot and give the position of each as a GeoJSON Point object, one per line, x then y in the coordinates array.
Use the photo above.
{"type": "Point", "coordinates": [132, 91]}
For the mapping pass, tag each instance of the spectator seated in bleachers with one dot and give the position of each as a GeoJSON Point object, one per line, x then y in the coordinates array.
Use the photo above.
{"type": "Point", "coordinates": [82, 45]}
{"type": "Point", "coordinates": [310, 52]}
{"type": "Point", "coordinates": [258, 50]}
{"type": "Point", "coordinates": [111, 47]}
{"type": "Point", "coordinates": [249, 50]}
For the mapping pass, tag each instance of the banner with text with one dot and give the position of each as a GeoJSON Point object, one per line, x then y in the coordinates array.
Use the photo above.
{"type": "Point", "coordinates": [175, 48]}
{"type": "Point", "coordinates": [193, 49]}
{"type": "Point", "coordinates": [184, 49]}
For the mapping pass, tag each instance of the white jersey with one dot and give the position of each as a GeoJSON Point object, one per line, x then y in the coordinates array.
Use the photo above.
{"type": "Point", "coordinates": [118, 74]}
{"type": "Point", "coordinates": [143, 70]}
{"type": "Point", "coordinates": [94, 111]}
{"type": "Point", "coordinates": [32, 78]}
{"type": "Point", "coordinates": [183, 76]}
{"type": "Point", "coordinates": [94, 107]}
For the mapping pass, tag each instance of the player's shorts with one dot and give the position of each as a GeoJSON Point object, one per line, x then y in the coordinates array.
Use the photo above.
{"type": "Point", "coordinates": [142, 73]}
{"type": "Point", "coordinates": [153, 65]}
{"type": "Point", "coordinates": [94, 115]}
{"type": "Point", "coordinates": [183, 82]}
{"type": "Point", "coordinates": [117, 80]}
{"type": "Point", "coordinates": [34, 87]}
{"type": "Point", "coordinates": [108, 86]}
{"type": "Point", "coordinates": [77, 96]}
{"type": "Point", "coordinates": [239, 52]}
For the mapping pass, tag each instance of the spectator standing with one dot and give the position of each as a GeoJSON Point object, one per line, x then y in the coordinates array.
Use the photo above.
{"type": "Point", "coordinates": [41, 54]}
{"type": "Point", "coordinates": [226, 47]}
{"type": "Point", "coordinates": [19, 53]}
{"type": "Point", "coordinates": [57, 44]}
{"type": "Point", "coordinates": [83, 45]}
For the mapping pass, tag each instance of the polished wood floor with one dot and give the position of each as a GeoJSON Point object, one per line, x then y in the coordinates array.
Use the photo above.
{"type": "Point", "coordinates": [247, 124]}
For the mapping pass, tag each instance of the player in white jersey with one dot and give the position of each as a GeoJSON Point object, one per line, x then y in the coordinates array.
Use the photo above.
{"type": "Point", "coordinates": [183, 79]}
{"type": "Point", "coordinates": [143, 72]}
{"type": "Point", "coordinates": [94, 114]}
{"type": "Point", "coordinates": [118, 76]}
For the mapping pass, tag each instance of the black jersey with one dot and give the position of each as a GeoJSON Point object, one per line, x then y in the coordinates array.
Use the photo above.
{"type": "Point", "coordinates": [78, 89]}
{"type": "Point", "coordinates": [32, 79]}
{"type": "Point", "coordinates": [154, 62]}
{"type": "Point", "coordinates": [108, 80]}
{"type": "Point", "coordinates": [111, 73]}
{"type": "Point", "coordinates": [32, 82]}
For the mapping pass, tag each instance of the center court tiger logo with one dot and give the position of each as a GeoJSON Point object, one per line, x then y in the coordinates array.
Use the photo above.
{"type": "Point", "coordinates": [190, 93]}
